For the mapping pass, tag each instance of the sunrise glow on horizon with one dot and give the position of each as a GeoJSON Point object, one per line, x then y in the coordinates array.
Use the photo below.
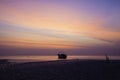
{"type": "Point", "coordinates": [59, 24]}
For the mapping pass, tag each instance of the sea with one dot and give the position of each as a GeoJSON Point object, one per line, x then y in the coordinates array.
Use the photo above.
{"type": "Point", "coordinates": [35, 58]}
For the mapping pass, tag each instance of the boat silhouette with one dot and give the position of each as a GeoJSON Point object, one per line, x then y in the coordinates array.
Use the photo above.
{"type": "Point", "coordinates": [62, 55]}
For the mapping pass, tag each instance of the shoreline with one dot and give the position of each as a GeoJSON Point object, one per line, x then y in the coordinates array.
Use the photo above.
{"type": "Point", "coordinates": [62, 70]}
{"type": "Point", "coordinates": [6, 61]}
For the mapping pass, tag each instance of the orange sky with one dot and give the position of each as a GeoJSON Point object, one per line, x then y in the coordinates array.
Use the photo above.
{"type": "Point", "coordinates": [60, 25]}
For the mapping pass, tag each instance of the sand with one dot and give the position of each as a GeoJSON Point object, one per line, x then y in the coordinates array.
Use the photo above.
{"type": "Point", "coordinates": [62, 70]}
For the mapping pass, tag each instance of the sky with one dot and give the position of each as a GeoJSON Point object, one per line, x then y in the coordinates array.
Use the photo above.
{"type": "Point", "coordinates": [44, 27]}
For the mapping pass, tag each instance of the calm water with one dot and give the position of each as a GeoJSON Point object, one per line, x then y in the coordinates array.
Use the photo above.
{"type": "Point", "coordinates": [34, 58]}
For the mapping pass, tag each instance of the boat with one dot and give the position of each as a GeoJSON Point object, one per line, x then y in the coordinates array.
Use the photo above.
{"type": "Point", "coordinates": [62, 55]}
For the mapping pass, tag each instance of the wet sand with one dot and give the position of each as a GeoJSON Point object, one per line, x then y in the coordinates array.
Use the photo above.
{"type": "Point", "coordinates": [62, 70]}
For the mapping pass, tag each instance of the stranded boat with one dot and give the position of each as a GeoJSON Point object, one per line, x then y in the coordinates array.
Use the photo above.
{"type": "Point", "coordinates": [62, 55]}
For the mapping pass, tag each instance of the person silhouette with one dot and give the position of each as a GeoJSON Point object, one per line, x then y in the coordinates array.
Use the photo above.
{"type": "Point", "coordinates": [107, 58]}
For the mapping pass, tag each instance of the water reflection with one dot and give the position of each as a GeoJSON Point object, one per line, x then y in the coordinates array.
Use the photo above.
{"type": "Point", "coordinates": [34, 58]}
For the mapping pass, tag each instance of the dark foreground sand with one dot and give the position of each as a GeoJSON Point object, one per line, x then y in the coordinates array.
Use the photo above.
{"type": "Point", "coordinates": [62, 70]}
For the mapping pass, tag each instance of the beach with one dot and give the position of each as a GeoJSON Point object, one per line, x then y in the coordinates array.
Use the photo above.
{"type": "Point", "coordinates": [62, 70]}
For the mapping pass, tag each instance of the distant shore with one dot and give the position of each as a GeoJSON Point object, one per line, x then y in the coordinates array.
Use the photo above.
{"type": "Point", "coordinates": [62, 70]}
